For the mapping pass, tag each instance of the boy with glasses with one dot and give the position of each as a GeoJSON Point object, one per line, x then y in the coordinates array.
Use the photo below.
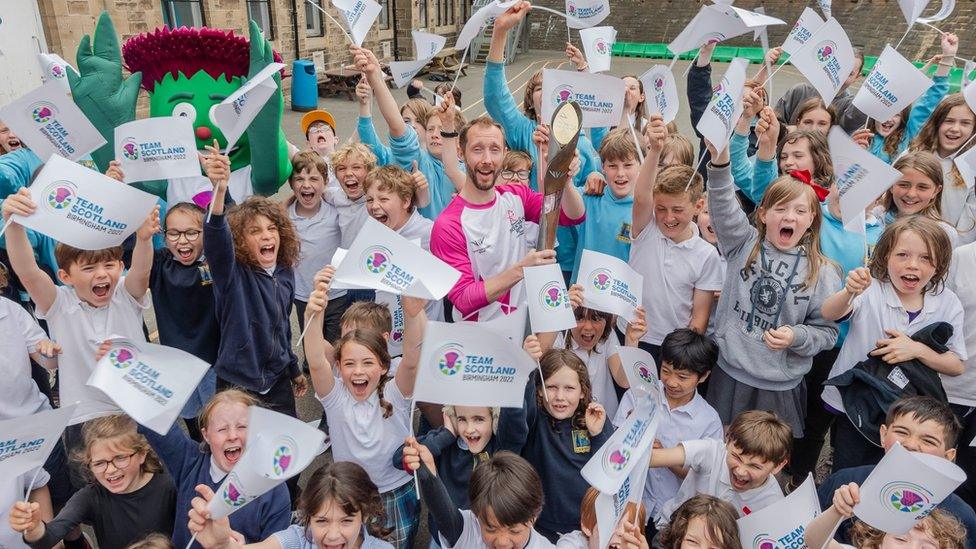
{"type": "Point", "coordinates": [319, 127]}
{"type": "Point", "coordinates": [182, 295]}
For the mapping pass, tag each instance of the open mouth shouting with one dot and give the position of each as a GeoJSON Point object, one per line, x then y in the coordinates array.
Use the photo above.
{"type": "Point", "coordinates": [785, 236]}
{"type": "Point", "coordinates": [184, 253]}
{"type": "Point", "coordinates": [115, 480]}
{"type": "Point", "coordinates": [101, 290]}
{"type": "Point", "coordinates": [353, 189]}
{"type": "Point", "coordinates": [233, 453]}
{"type": "Point", "coordinates": [359, 387]}
{"type": "Point", "coordinates": [379, 215]}
{"type": "Point", "coordinates": [269, 253]}
{"type": "Point", "coordinates": [910, 282]}
{"type": "Point", "coordinates": [738, 482]}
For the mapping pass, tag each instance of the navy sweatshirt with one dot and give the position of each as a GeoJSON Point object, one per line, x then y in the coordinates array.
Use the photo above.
{"type": "Point", "coordinates": [188, 466]}
{"type": "Point", "coordinates": [253, 310]}
{"type": "Point", "coordinates": [455, 464]}
{"type": "Point", "coordinates": [558, 451]}
{"type": "Point", "coordinates": [699, 90]}
{"type": "Point", "coordinates": [183, 299]}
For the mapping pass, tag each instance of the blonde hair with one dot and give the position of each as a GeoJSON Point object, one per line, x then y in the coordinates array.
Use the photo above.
{"type": "Point", "coordinates": [152, 541]}
{"type": "Point", "coordinates": [421, 109]}
{"type": "Point", "coordinates": [368, 315]}
{"type": "Point", "coordinates": [680, 148]}
{"type": "Point", "coordinates": [618, 146]}
{"type": "Point", "coordinates": [393, 179]}
{"type": "Point", "coordinates": [588, 519]}
{"type": "Point", "coordinates": [944, 528]}
{"type": "Point", "coordinates": [527, 106]}
{"type": "Point", "coordinates": [515, 159]}
{"type": "Point", "coordinates": [786, 189]}
{"type": "Point", "coordinates": [761, 434]}
{"type": "Point", "coordinates": [346, 150]}
{"type": "Point", "coordinates": [936, 240]}
{"type": "Point", "coordinates": [227, 396]}
{"type": "Point", "coordinates": [121, 430]}
{"type": "Point", "coordinates": [674, 179]}
{"type": "Point", "coordinates": [928, 165]}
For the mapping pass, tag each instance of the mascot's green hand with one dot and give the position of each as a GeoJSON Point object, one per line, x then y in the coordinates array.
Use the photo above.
{"type": "Point", "coordinates": [269, 151]}
{"type": "Point", "coordinates": [100, 92]}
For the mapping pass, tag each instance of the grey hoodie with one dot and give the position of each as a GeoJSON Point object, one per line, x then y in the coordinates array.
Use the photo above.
{"type": "Point", "coordinates": [764, 298]}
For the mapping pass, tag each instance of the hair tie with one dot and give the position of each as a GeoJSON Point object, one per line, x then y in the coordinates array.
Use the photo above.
{"type": "Point", "coordinates": [803, 176]}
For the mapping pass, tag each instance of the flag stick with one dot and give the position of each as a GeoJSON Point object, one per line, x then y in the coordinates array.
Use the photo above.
{"type": "Point", "coordinates": [416, 482]}
{"type": "Point", "coordinates": [301, 337]}
{"type": "Point", "coordinates": [691, 64]}
{"type": "Point", "coordinates": [460, 66]}
{"type": "Point", "coordinates": [933, 27]}
{"type": "Point", "coordinates": [798, 50]}
{"type": "Point", "coordinates": [695, 171]}
{"type": "Point", "coordinates": [333, 19]}
{"type": "Point", "coordinates": [675, 60]}
{"type": "Point", "coordinates": [194, 538]}
{"type": "Point", "coordinates": [31, 485]}
{"type": "Point", "coordinates": [953, 155]}
{"type": "Point", "coordinates": [908, 30]}
{"type": "Point", "coordinates": [5, 225]}
{"type": "Point", "coordinates": [633, 133]}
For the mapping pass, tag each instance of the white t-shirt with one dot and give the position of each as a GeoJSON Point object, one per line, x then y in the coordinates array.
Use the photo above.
{"type": "Point", "coordinates": [962, 281]}
{"type": "Point", "coordinates": [19, 336]}
{"type": "Point", "coordinates": [12, 491]}
{"type": "Point", "coordinates": [601, 380]}
{"type": "Point", "coordinates": [573, 540]}
{"type": "Point", "coordinates": [80, 328]}
{"type": "Point", "coordinates": [183, 189]}
{"type": "Point", "coordinates": [709, 474]}
{"type": "Point", "coordinates": [697, 420]}
{"type": "Point", "coordinates": [352, 214]}
{"type": "Point", "coordinates": [320, 237]}
{"type": "Point", "coordinates": [880, 308]}
{"type": "Point", "coordinates": [361, 435]}
{"type": "Point", "coordinates": [672, 272]}
{"type": "Point", "coordinates": [471, 536]}
{"type": "Point", "coordinates": [294, 537]}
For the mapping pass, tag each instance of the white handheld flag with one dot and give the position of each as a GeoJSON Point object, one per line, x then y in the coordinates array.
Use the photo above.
{"type": "Point", "coordinates": [466, 365]}
{"type": "Point", "coordinates": [426, 45]}
{"type": "Point", "coordinates": [49, 122]}
{"type": "Point", "coordinates": [234, 114]}
{"type": "Point", "coordinates": [597, 43]}
{"type": "Point", "coordinates": [55, 69]}
{"type": "Point", "coordinates": [359, 15]}
{"type": "Point", "coordinates": [586, 13]}
{"type": "Point", "coordinates": [381, 259]}
{"type": "Point", "coordinates": [808, 23]}
{"type": "Point", "coordinates": [969, 93]}
{"type": "Point", "coordinates": [610, 508]}
{"type": "Point", "coordinates": [944, 11]}
{"type": "Point", "coordinates": [640, 368]}
{"type": "Point", "coordinates": [613, 462]}
{"type": "Point", "coordinates": [826, 60]}
{"type": "Point", "coordinates": [912, 9]}
{"type": "Point", "coordinates": [751, 19]}
{"type": "Point", "coordinates": [904, 488]}
{"type": "Point", "coordinates": [278, 448]}
{"type": "Point", "coordinates": [967, 73]}
{"type": "Point", "coordinates": [25, 442]}
{"type": "Point", "coordinates": [609, 284]}
{"type": "Point", "coordinates": [725, 107]}
{"type": "Point", "coordinates": [861, 177]}
{"type": "Point", "coordinates": [966, 163]}
{"type": "Point", "coordinates": [894, 83]}
{"type": "Point", "coordinates": [149, 382]}
{"type": "Point", "coordinates": [824, 7]}
{"type": "Point", "coordinates": [83, 208]}
{"type": "Point", "coordinates": [708, 26]}
{"type": "Point", "coordinates": [478, 20]}
{"type": "Point", "coordinates": [601, 97]}
{"type": "Point", "coordinates": [782, 524]}
{"type": "Point", "coordinates": [661, 93]}
{"type": "Point", "coordinates": [157, 148]}
{"type": "Point", "coordinates": [549, 307]}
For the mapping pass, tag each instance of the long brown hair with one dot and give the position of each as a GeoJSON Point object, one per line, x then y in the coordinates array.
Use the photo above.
{"type": "Point", "coordinates": [347, 485]}
{"type": "Point", "coordinates": [944, 528]}
{"type": "Point", "coordinates": [639, 113]}
{"type": "Point", "coordinates": [929, 166]}
{"type": "Point", "coordinates": [931, 232]}
{"type": "Point", "coordinates": [122, 430]}
{"type": "Point", "coordinates": [823, 167]}
{"type": "Point", "coordinates": [786, 189]}
{"type": "Point", "coordinates": [375, 344]}
{"type": "Point", "coordinates": [551, 362]}
{"type": "Point", "coordinates": [720, 522]}
{"type": "Point", "coordinates": [891, 143]}
{"type": "Point", "coordinates": [241, 216]}
{"type": "Point", "coordinates": [928, 137]}
{"type": "Point", "coordinates": [528, 107]}
{"type": "Point", "coordinates": [815, 104]}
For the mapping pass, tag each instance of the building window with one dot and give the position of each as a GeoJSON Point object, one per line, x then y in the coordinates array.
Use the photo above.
{"type": "Point", "coordinates": [313, 20]}
{"type": "Point", "coordinates": [182, 13]}
{"type": "Point", "coordinates": [384, 18]}
{"type": "Point", "coordinates": [259, 11]}
{"type": "Point", "coordinates": [423, 14]}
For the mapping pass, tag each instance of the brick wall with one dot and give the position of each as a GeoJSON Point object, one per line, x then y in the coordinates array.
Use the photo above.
{"type": "Point", "coordinates": [869, 23]}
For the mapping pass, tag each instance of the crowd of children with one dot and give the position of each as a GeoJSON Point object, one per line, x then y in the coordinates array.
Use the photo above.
{"type": "Point", "coordinates": [760, 325]}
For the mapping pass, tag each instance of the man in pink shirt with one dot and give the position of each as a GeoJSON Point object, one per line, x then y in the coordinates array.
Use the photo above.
{"type": "Point", "coordinates": [481, 233]}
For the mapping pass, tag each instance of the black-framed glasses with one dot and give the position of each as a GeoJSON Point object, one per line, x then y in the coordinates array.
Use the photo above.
{"type": "Point", "coordinates": [120, 462]}
{"type": "Point", "coordinates": [521, 175]}
{"type": "Point", "coordinates": [174, 236]}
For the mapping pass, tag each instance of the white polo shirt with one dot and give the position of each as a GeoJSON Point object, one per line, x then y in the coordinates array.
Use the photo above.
{"type": "Point", "coordinates": [709, 474]}
{"type": "Point", "coordinates": [672, 272]}
{"type": "Point", "coordinates": [362, 435]}
{"type": "Point", "coordinates": [352, 214]}
{"type": "Point", "coordinates": [471, 536]}
{"type": "Point", "coordinates": [962, 281]}
{"type": "Point", "coordinates": [19, 336]}
{"type": "Point", "coordinates": [697, 420]}
{"type": "Point", "coordinates": [878, 308]}
{"type": "Point", "coordinates": [320, 237]}
{"type": "Point", "coordinates": [80, 329]}
{"type": "Point", "coordinates": [601, 380]}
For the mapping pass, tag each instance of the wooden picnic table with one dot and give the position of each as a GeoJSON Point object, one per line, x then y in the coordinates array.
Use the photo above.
{"type": "Point", "coordinates": [344, 80]}
{"type": "Point", "coordinates": [446, 64]}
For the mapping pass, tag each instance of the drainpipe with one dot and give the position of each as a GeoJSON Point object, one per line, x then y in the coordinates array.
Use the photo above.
{"type": "Point", "coordinates": [294, 21]}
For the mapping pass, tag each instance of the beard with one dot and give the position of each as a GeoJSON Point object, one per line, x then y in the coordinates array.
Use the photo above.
{"type": "Point", "coordinates": [473, 176]}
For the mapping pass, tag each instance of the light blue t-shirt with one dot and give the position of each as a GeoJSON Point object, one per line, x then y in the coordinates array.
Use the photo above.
{"type": "Point", "coordinates": [606, 228]}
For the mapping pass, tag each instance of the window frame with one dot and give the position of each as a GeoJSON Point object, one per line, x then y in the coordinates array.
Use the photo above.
{"type": "Point", "coordinates": [269, 33]}
{"type": "Point", "coordinates": [170, 14]}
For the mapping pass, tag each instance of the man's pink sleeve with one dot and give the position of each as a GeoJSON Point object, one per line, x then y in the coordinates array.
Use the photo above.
{"type": "Point", "coordinates": [447, 242]}
{"type": "Point", "coordinates": [532, 203]}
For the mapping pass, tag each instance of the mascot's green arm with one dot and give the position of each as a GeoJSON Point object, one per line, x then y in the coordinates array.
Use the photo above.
{"type": "Point", "coordinates": [98, 88]}
{"type": "Point", "coordinates": [269, 151]}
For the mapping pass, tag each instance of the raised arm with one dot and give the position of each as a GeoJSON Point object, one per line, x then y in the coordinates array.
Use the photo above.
{"type": "Point", "coordinates": [318, 352]}
{"type": "Point", "coordinates": [37, 283]}
{"type": "Point", "coordinates": [137, 279]}
{"type": "Point", "coordinates": [449, 157]}
{"type": "Point", "coordinates": [370, 66]}
{"type": "Point", "coordinates": [643, 208]}
{"type": "Point", "coordinates": [414, 325]}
